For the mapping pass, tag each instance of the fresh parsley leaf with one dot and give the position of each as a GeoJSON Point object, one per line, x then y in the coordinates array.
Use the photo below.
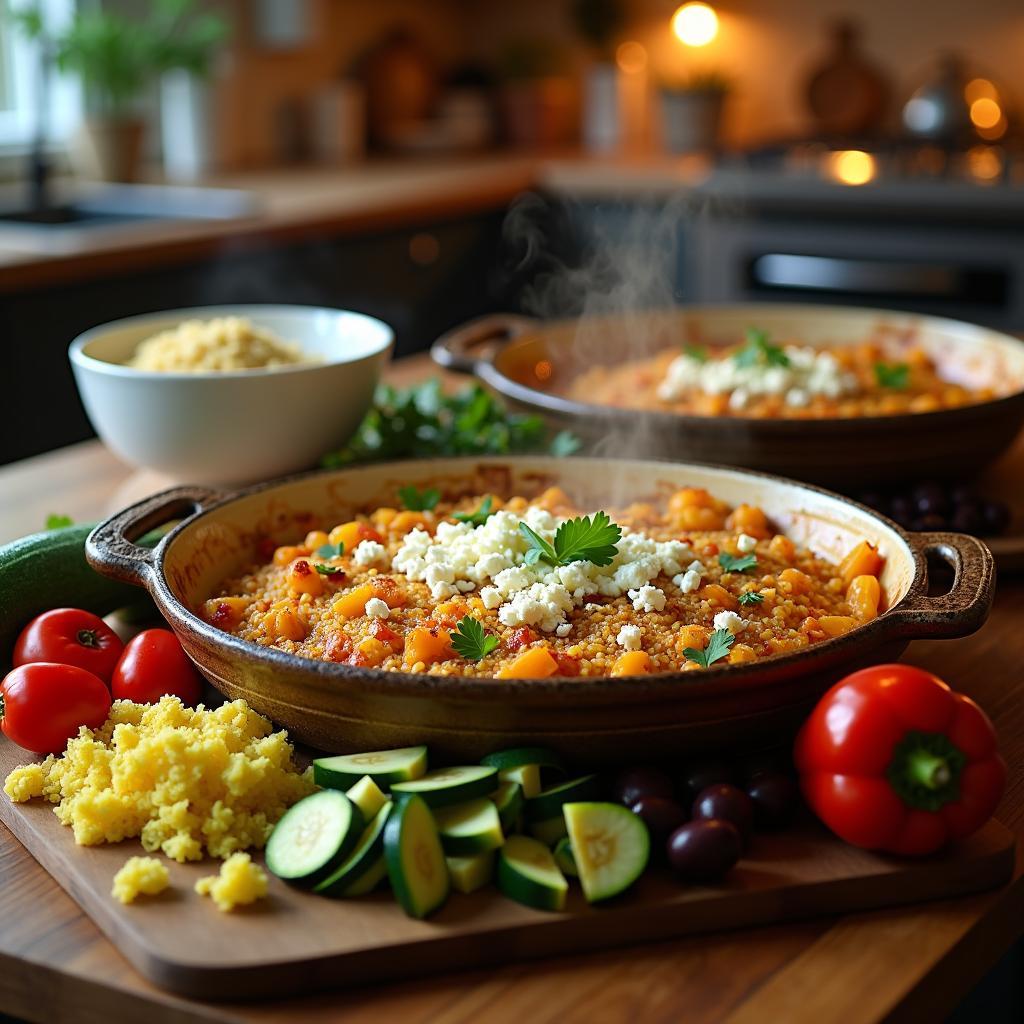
{"type": "Point", "coordinates": [471, 640]}
{"type": "Point", "coordinates": [330, 551]}
{"type": "Point", "coordinates": [736, 563]}
{"type": "Point", "coordinates": [58, 522]}
{"type": "Point", "coordinates": [698, 353]}
{"type": "Point", "coordinates": [718, 647]}
{"type": "Point", "coordinates": [480, 516]}
{"type": "Point", "coordinates": [585, 539]}
{"type": "Point", "coordinates": [328, 570]}
{"type": "Point", "coordinates": [419, 501]}
{"type": "Point", "coordinates": [758, 351]}
{"type": "Point", "coordinates": [751, 597]}
{"type": "Point", "coordinates": [564, 443]}
{"type": "Point", "coordinates": [892, 375]}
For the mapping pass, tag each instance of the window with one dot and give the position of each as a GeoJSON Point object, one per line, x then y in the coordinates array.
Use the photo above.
{"type": "Point", "coordinates": [20, 84]}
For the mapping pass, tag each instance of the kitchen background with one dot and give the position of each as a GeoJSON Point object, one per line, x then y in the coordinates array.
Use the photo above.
{"type": "Point", "coordinates": [368, 155]}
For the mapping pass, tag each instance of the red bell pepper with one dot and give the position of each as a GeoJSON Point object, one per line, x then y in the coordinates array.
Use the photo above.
{"type": "Point", "coordinates": [892, 759]}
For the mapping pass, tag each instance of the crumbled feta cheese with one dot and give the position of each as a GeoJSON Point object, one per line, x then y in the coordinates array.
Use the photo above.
{"type": "Point", "coordinates": [368, 553]}
{"type": "Point", "coordinates": [491, 597]}
{"type": "Point", "coordinates": [543, 605]}
{"type": "Point", "coordinates": [648, 599]}
{"type": "Point", "coordinates": [564, 629]}
{"type": "Point", "coordinates": [746, 543]}
{"type": "Point", "coordinates": [730, 621]}
{"type": "Point", "coordinates": [377, 609]}
{"type": "Point", "coordinates": [629, 638]}
{"type": "Point", "coordinates": [797, 398]}
{"type": "Point", "coordinates": [688, 581]}
{"type": "Point", "coordinates": [739, 399]}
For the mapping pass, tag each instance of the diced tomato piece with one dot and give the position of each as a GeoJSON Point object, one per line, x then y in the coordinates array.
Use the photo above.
{"type": "Point", "coordinates": [568, 664]}
{"type": "Point", "coordinates": [386, 635]}
{"type": "Point", "coordinates": [520, 638]}
{"type": "Point", "coordinates": [367, 532]}
{"type": "Point", "coordinates": [339, 647]}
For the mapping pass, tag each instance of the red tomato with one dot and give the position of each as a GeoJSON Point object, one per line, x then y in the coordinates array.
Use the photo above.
{"type": "Point", "coordinates": [153, 664]}
{"type": "Point", "coordinates": [70, 636]}
{"type": "Point", "coordinates": [43, 704]}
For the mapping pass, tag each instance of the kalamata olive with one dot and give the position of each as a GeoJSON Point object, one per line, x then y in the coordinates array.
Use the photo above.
{"type": "Point", "coordinates": [997, 518]}
{"type": "Point", "coordinates": [702, 851]}
{"type": "Point", "coordinates": [728, 803]}
{"type": "Point", "coordinates": [968, 516]}
{"type": "Point", "coordinates": [930, 499]}
{"type": "Point", "coordinates": [775, 797]}
{"type": "Point", "coordinates": [634, 783]}
{"type": "Point", "coordinates": [661, 816]}
{"type": "Point", "coordinates": [702, 774]}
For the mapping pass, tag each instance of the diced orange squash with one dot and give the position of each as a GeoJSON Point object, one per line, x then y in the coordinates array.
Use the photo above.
{"type": "Point", "coordinates": [749, 519]}
{"type": "Point", "coordinates": [696, 517]}
{"type": "Point", "coordinates": [304, 579]}
{"type": "Point", "coordinates": [632, 663]}
{"type": "Point", "coordinates": [740, 654]}
{"type": "Point", "coordinates": [406, 522]}
{"type": "Point", "coordinates": [718, 595]}
{"type": "Point", "coordinates": [352, 603]}
{"type": "Point", "coordinates": [288, 553]}
{"type": "Point", "coordinates": [533, 663]}
{"type": "Point", "coordinates": [427, 646]}
{"type": "Point", "coordinates": [864, 595]}
{"type": "Point", "coordinates": [782, 548]}
{"type": "Point", "coordinates": [692, 636]}
{"type": "Point", "coordinates": [284, 624]}
{"type": "Point", "coordinates": [315, 539]}
{"type": "Point", "coordinates": [551, 499]}
{"type": "Point", "coordinates": [225, 612]}
{"type": "Point", "coordinates": [836, 625]}
{"type": "Point", "coordinates": [351, 534]}
{"type": "Point", "coordinates": [384, 516]}
{"type": "Point", "coordinates": [690, 497]}
{"type": "Point", "coordinates": [863, 560]}
{"type": "Point", "coordinates": [795, 582]}
{"type": "Point", "coordinates": [371, 652]}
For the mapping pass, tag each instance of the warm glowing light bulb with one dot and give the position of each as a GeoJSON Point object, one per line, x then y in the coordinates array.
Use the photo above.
{"type": "Point", "coordinates": [852, 166]}
{"type": "Point", "coordinates": [979, 89]}
{"type": "Point", "coordinates": [695, 24]}
{"type": "Point", "coordinates": [984, 163]}
{"type": "Point", "coordinates": [985, 112]}
{"type": "Point", "coordinates": [631, 57]}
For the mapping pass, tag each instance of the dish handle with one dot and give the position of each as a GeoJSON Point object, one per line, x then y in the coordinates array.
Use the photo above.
{"type": "Point", "coordinates": [464, 347]}
{"type": "Point", "coordinates": [111, 549]}
{"type": "Point", "coordinates": [965, 607]}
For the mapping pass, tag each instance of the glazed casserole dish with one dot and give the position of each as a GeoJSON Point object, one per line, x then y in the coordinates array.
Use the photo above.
{"type": "Point", "coordinates": [608, 608]}
{"type": "Point", "coordinates": [840, 396]}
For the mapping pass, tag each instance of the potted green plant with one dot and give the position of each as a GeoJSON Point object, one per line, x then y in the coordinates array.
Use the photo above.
{"type": "Point", "coordinates": [118, 58]}
{"type": "Point", "coordinates": [599, 22]}
{"type": "Point", "coordinates": [692, 111]}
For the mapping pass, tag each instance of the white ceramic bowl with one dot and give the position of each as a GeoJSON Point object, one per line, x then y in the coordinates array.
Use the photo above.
{"type": "Point", "coordinates": [240, 426]}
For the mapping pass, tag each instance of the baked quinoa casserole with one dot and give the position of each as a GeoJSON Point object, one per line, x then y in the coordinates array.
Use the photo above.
{"type": "Point", "coordinates": [517, 588]}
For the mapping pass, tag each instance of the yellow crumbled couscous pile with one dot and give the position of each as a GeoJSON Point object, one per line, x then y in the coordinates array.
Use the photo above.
{"type": "Point", "coordinates": [240, 881]}
{"type": "Point", "coordinates": [187, 782]}
{"type": "Point", "coordinates": [145, 875]}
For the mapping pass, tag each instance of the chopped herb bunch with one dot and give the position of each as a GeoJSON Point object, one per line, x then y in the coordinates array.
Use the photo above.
{"type": "Point", "coordinates": [419, 501]}
{"type": "Point", "coordinates": [57, 522]}
{"type": "Point", "coordinates": [892, 375]}
{"type": "Point", "coordinates": [698, 353]}
{"type": "Point", "coordinates": [736, 563]}
{"type": "Point", "coordinates": [480, 516]}
{"type": "Point", "coordinates": [471, 640]}
{"type": "Point", "coordinates": [586, 539]}
{"type": "Point", "coordinates": [751, 597]}
{"type": "Point", "coordinates": [718, 648]}
{"type": "Point", "coordinates": [758, 351]}
{"type": "Point", "coordinates": [330, 551]}
{"type": "Point", "coordinates": [328, 570]}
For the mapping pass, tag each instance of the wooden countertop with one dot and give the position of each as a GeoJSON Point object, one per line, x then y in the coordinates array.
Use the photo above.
{"type": "Point", "coordinates": [910, 964]}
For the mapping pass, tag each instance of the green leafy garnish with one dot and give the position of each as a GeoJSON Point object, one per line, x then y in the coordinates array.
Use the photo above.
{"type": "Point", "coordinates": [424, 422]}
{"type": "Point", "coordinates": [718, 647]}
{"type": "Point", "coordinates": [328, 570]}
{"type": "Point", "coordinates": [586, 539]}
{"type": "Point", "coordinates": [892, 375]}
{"type": "Point", "coordinates": [564, 443]}
{"type": "Point", "coordinates": [471, 640]}
{"type": "Point", "coordinates": [698, 353]}
{"type": "Point", "coordinates": [736, 563]}
{"type": "Point", "coordinates": [480, 516]}
{"type": "Point", "coordinates": [57, 522]}
{"type": "Point", "coordinates": [758, 351]}
{"type": "Point", "coordinates": [751, 597]}
{"type": "Point", "coordinates": [419, 501]}
{"type": "Point", "coordinates": [330, 551]}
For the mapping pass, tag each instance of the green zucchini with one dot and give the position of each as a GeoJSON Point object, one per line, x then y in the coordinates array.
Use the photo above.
{"type": "Point", "coordinates": [48, 570]}
{"type": "Point", "coordinates": [527, 873]}
{"type": "Point", "coordinates": [548, 831]}
{"type": "Point", "coordinates": [469, 828]}
{"type": "Point", "coordinates": [548, 803]}
{"type": "Point", "coordinates": [610, 845]}
{"type": "Point", "coordinates": [445, 786]}
{"type": "Point", "coordinates": [383, 766]}
{"type": "Point", "coordinates": [366, 795]}
{"type": "Point", "coordinates": [368, 881]}
{"type": "Point", "coordinates": [525, 766]}
{"type": "Point", "coordinates": [564, 858]}
{"type": "Point", "coordinates": [314, 837]}
{"type": "Point", "coordinates": [367, 852]}
{"type": "Point", "coordinates": [415, 860]}
{"type": "Point", "coordinates": [471, 873]}
{"type": "Point", "coordinates": [526, 777]}
{"type": "Point", "coordinates": [508, 798]}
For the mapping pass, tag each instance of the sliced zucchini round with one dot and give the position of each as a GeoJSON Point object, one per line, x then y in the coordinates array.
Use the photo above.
{"type": "Point", "coordinates": [469, 828]}
{"type": "Point", "coordinates": [471, 873]}
{"type": "Point", "coordinates": [516, 757]}
{"type": "Point", "coordinates": [415, 860]}
{"type": "Point", "coordinates": [611, 847]}
{"type": "Point", "coordinates": [369, 880]}
{"type": "Point", "coordinates": [445, 786]}
{"type": "Point", "coordinates": [508, 798]}
{"type": "Point", "coordinates": [548, 803]}
{"type": "Point", "coordinates": [367, 851]}
{"type": "Point", "coordinates": [367, 796]}
{"type": "Point", "coordinates": [383, 766]}
{"type": "Point", "coordinates": [564, 858]}
{"type": "Point", "coordinates": [526, 776]}
{"type": "Point", "coordinates": [313, 837]}
{"type": "Point", "coordinates": [527, 873]}
{"type": "Point", "coordinates": [548, 831]}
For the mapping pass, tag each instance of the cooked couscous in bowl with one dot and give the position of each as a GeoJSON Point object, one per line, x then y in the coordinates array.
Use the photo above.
{"type": "Point", "coordinates": [509, 586]}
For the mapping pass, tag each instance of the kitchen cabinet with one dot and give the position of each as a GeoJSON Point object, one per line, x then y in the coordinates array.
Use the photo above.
{"type": "Point", "coordinates": [421, 279]}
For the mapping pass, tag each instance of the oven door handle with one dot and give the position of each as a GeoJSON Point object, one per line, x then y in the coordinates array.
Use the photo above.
{"type": "Point", "coordinates": [855, 276]}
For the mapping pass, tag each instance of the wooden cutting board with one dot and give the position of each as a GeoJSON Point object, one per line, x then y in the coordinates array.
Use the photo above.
{"type": "Point", "coordinates": [294, 942]}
